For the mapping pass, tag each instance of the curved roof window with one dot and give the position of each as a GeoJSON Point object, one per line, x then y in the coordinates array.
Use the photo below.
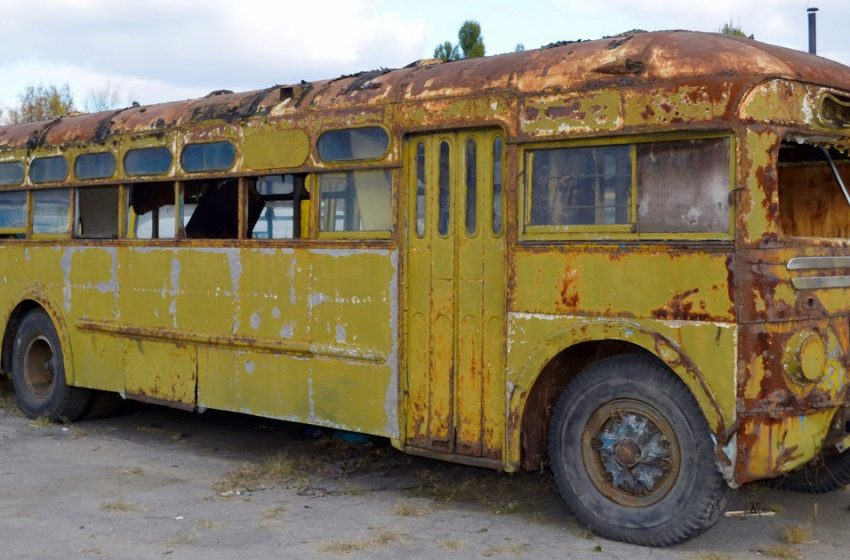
{"type": "Point", "coordinates": [48, 169]}
{"type": "Point", "coordinates": [208, 157]}
{"type": "Point", "coordinates": [148, 161]}
{"type": "Point", "coordinates": [11, 173]}
{"type": "Point", "coordinates": [353, 144]}
{"type": "Point", "coordinates": [95, 166]}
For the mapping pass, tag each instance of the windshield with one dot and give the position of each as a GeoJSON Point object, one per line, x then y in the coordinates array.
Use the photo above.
{"type": "Point", "coordinates": [812, 202]}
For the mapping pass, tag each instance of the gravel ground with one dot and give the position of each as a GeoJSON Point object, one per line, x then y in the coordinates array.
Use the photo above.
{"type": "Point", "coordinates": [153, 482]}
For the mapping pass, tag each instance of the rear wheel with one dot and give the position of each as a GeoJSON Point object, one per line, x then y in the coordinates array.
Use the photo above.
{"type": "Point", "coordinates": [827, 473]}
{"type": "Point", "coordinates": [38, 372]}
{"type": "Point", "coordinates": [632, 455]}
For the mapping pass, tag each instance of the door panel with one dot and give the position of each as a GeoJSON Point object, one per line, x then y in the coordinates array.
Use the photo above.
{"type": "Point", "coordinates": [455, 291]}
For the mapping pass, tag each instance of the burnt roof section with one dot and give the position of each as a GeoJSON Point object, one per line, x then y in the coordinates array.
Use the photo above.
{"type": "Point", "coordinates": [631, 59]}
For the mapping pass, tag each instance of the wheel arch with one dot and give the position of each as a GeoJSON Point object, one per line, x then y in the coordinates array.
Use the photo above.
{"type": "Point", "coordinates": [28, 302]}
{"type": "Point", "coordinates": [549, 369]}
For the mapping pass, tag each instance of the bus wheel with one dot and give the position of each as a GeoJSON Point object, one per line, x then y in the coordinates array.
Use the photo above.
{"type": "Point", "coordinates": [632, 455]}
{"type": "Point", "coordinates": [827, 473]}
{"type": "Point", "coordinates": [38, 372]}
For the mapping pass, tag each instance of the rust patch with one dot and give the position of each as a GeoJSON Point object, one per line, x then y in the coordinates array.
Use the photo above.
{"type": "Point", "coordinates": [569, 292]}
{"type": "Point", "coordinates": [680, 309]}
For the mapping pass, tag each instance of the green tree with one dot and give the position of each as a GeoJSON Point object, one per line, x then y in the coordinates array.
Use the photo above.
{"type": "Point", "coordinates": [470, 39]}
{"type": "Point", "coordinates": [519, 47]}
{"type": "Point", "coordinates": [38, 103]}
{"type": "Point", "coordinates": [447, 52]}
{"type": "Point", "coordinates": [730, 28]}
{"type": "Point", "coordinates": [470, 44]}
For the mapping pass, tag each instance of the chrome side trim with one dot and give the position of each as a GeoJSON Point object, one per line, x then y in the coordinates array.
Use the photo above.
{"type": "Point", "coordinates": [814, 263]}
{"type": "Point", "coordinates": [817, 282]}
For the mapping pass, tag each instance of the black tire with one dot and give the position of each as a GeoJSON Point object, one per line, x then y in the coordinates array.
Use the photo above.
{"type": "Point", "coordinates": [598, 449]}
{"type": "Point", "coordinates": [103, 404]}
{"type": "Point", "coordinates": [38, 372]}
{"type": "Point", "coordinates": [827, 474]}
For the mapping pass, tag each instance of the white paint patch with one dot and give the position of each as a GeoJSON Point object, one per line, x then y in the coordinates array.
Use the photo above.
{"type": "Point", "coordinates": [391, 403]}
{"type": "Point", "coordinates": [174, 289]}
{"type": "Point", "coordinates": [287, 330]}
{"type": "Point", "coordinates": [293, 296]}
{"type": "Point", "coordinates": [275, 313]}
{"type": "Point", "coordinates": [250, 366]}
{"type": "Point", "coordinates": [255, 321]}
{"type": "Point", "coordinates": [317, 298]}
{"type": "Point", "coordinates": [340, 334]}
{"type": "Point", "coordinates": [311, 397]}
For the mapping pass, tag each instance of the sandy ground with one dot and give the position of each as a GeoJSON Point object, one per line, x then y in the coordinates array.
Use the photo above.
{"type": "Point", "coordinates": [153, 482]}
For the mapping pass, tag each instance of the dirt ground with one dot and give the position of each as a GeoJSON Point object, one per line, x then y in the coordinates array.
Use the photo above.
{"type": "Point", "coordinates": [153, 482]}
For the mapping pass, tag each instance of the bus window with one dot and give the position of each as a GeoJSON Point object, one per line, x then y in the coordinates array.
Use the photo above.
{"type": "Point", "coordinates": [208, 157]}
{"type": "Point", "coordinates": [581, 186]}
{"type": "Point", "coordinates": [152, 211]}
{"type": "Point", "coordinates": [683, 186]}
{"type": "Point", "coordinates": [355, 201]}
{"type": "Point", "coordinates": [421, 199]}
{"type": "Point", "coordinates": [95, 166]}
{"type": "Point", "coordinates": [13, 213]}
{"type": "Point", "coordinates": [11, 173]}
{"type": "Point", "coordinates": [97, 213]}
{"type": "Point", "coordinates": [353, 144]}
{"type": "Point", "coordinates": [211, 209]}
{"type": "Point", "coordinates": [497, 186]}
{"type": "Point", "coordinates": [148, 161]}
{"type": "Point", "coordinates": [279, 211]}
{"type": "Point", "coordinates": [444, 192]}
{"type": "Point", "coordinates": [48, 169]}
{"type": "Point", "coordinates": [51, 211]}
{"type": "Point", "coordinates": [471, 161]}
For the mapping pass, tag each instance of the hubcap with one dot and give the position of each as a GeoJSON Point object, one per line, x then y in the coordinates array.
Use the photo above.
{"type": "Point", "coordinates": [630, 452]}
{"type": "Point", "coordinates": [39, 367]}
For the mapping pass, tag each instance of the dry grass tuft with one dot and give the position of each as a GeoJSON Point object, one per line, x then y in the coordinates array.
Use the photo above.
{"type": "Point", "coordinates": [781, 551]}
{"type": "Point", "coordinates": [381, 538]}
{"type": "Point", "coordinates": [451, 544]}
{"type": "Point", "coordinates": [134, 471]}
{"type": "Point", "coordinates": [41, 422]}
{"type": "Point", "coordinates": [508, 549]}
{"type": "Point", "coordinates": [712, 556]}
{"type": "Point", "coordinates": [798, 534]}
{"type": "Point", "coordinates": [412, 509]}
{"type": "Point", "coordinates": [119, 505]}
{"type": "Point", "coordinates": [207, 524]}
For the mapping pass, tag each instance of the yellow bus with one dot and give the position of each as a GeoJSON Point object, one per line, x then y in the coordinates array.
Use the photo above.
{"type": "Point", "coordinates": [624, 259]}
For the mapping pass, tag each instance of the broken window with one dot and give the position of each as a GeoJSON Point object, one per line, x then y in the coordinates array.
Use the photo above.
{"type": "Point", "coordinates": [811, 200]}
{"type": "Point", "coordinates": [148, 161]}
{"type": "Point", "coordinates": [211, 209]}
{"type": "Point", "coordinates": [274, 207]}
{"type": "Point", "coordinates": [355, 201]}
{"type": "Point", "coordinates": [48, 169]}
{"type": "Point", "coordinates": [581, 186]}
{"type": "Point", "coordinates": [353, 144]}
{"type": "Point", "coordinates": [11, 173]}
{"type": "Point", "coordinates": [51, 212]}
{"type": "Point", "coordinates": [152, 211]}
{"type": "Point", "coordinates": [97, 213]}
{"type": "Point", "coordinates": [210, 156]}
{"type": "Point", "coordinates": [95, 166]}
{"type": "Point", "coordinates": [683, 186]}
{"type": "Point", "coordinates": [13, 214]}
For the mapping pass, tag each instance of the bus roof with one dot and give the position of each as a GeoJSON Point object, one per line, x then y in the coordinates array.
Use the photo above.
{"type": "Point", "coordinates": [634, 59]}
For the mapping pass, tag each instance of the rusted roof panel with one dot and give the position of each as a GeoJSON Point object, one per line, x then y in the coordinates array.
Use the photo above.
{"type": "Point", "coordinates": [630, 60]}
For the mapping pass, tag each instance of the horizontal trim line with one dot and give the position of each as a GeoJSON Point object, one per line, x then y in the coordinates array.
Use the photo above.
{"type": "Point", "coordinates": [816, 282]}
{"type": "Point", "coordinates": [274, 346]}
{"type": "Point", "coordinates": [815, 263]}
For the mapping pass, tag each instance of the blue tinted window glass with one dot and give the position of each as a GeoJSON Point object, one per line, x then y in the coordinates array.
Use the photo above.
{"type": "Point", "coordinates": [48, 169]}
{"type": "Point", "coordinates": [147, 161]}
{"type": "Point", "coordinates": [94, 166]}
{"type": "Point", "coordinates": [51, 210]}
{"type": "Point", "coordinates": [207, 157]}
{"type": "Point", "coordinates": [13, 210]}
{"type": "Point", "coordinates": [353, 144]}
{"type": "Point", "coordinates": [11, 173]}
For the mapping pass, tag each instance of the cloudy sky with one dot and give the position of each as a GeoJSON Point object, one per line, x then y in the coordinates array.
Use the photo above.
{"type": "Point", "coordinates": [160, 50]}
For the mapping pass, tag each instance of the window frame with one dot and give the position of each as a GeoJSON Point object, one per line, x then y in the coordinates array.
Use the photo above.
{"type": "Point", "coordinates": [528, 232]}
{"type": "Point", "coordinates": [313, 186]}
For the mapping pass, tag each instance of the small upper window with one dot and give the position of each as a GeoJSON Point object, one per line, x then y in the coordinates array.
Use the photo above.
{"type": "Point", "coordinates": [208, 157]}
{"type": "Point", "coordinates": [95, 166]}
{"type": "Point", "coordinates": [48, 169]}
{"type": "Point", "coordinates": [11, 173]}
{"type": "Point", "coordinates": [353, 144]}
{"type": "Point", "coordinates": [148, 161]}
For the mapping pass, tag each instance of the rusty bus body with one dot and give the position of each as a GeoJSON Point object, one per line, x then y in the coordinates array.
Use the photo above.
{"type": "Point", "coordinates": [454, 341]}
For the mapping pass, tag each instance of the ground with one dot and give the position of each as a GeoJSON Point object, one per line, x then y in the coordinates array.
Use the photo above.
{"type": "Point", "coordinates": [153, 482]}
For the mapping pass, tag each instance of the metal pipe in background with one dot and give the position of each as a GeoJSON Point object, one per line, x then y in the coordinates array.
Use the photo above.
{"type": "Point", "coordinates": [813, 30]}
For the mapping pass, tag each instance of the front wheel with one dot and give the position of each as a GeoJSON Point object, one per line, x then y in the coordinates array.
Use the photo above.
{"type": "Point", "coordinates": [632, 455]}
{"type": "Point", "coordinates": [38, 372]}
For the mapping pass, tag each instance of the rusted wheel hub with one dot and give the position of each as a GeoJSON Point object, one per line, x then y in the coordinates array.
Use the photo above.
{"type": "Point", "coordinates": [39, 367]}
{"type": "Point", "coordinates": [630, 452]}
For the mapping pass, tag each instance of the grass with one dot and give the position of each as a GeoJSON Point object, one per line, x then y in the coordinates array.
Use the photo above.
{"type": "Point", "coordinates": [191, 534]}
{"type": "Point", "coordinates": [781, 551]}
{"type": "Point", "coordinates": [381, 538]}
{"type": "Point", "coordinates": [41, 422]}
{"type": "Point", "coordinates": [119, 505]}
{"type": "Point", "coordinates": [412, 509]}
{"type": "Point", "coordinates": [798, 534]}
{"type": "Point", "coordinates": [133, 471]}
{"type": "Point", "coordinates": [451, 544]}
{"type": "Point", "coordinates": [712, 556]}
{"type": "Point", "coordinates": [508, 549]}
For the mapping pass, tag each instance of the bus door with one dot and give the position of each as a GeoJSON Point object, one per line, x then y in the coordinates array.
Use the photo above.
{"type": "Point", "coordinates": [455, 293]}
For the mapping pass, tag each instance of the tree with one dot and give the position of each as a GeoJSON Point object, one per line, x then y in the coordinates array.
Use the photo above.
{"type": "Point", "coordinates": [447, 52]}
{"type": "Point", "coordinates": [38, 103]}
{"type": "Point", "coordinates": [730, 28]}
{"type": "Point", "coordinates": [470, 39]}
{"type": "Point", "coordinates": [103, 98]}
{"type": "Point", "coordinates": [519, 47]}
{"type": "Point", "coordinates": [470, 43]}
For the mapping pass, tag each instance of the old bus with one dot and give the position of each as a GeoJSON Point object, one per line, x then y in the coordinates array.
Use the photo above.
{"type": "Point", "coordinates": [624, 259]}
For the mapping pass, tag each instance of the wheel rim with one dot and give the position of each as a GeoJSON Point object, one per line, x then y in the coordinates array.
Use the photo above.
{"type": "Point", "coordinates": [39, 367]}
{"type": "Point", "coordinates": [630, 453]}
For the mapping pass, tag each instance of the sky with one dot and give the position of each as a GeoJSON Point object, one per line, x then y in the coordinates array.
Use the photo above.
{"type": "Point", "coordinates": [161, 50]}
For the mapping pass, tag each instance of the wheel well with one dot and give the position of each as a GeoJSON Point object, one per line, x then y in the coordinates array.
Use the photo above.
{"type": "Point", "coordinates": [11, 330]}
{"type": "Point", "coordinates": [551, 382]}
